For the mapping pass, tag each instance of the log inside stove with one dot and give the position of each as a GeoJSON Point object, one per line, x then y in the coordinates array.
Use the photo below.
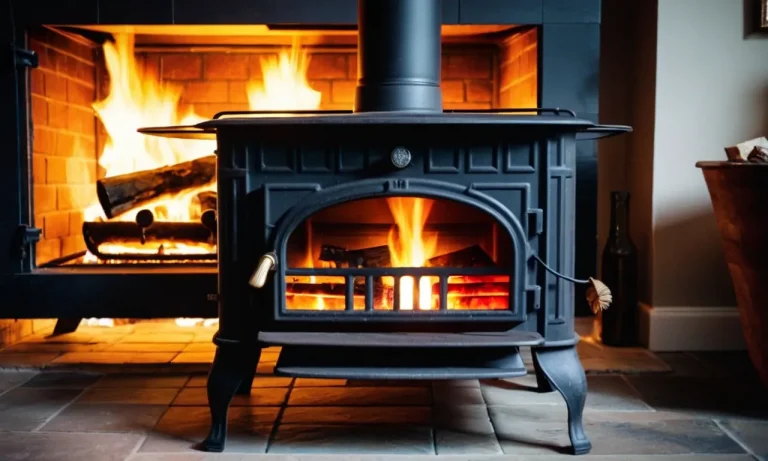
{"type": "Point", "coordinates": [460, 289]}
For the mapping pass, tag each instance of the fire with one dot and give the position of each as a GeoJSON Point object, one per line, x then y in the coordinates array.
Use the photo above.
{"type": "Point", "coordinates": [285, 84]}
{"type": "Point", "coordinates": [408, 247]}
{"type": "Point", "coordinates": [137, 99]}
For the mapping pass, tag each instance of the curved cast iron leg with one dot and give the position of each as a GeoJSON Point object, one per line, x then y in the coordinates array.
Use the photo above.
{"type": "Point", "coordinates": [562, 368]}
{"type": "Point", "coordinates": [230, 367]}
{"type": "Point", "coordinates": [249, 362]}
{"type": "Point", "coordinates": [542, 383]}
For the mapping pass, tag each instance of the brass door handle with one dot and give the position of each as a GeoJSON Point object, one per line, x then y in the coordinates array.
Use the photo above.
{"type": "Point", "coordinates": [266, 263]}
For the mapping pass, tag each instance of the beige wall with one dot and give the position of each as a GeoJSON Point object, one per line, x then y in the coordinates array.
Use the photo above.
{"type": "Point", "coordinates": [711, 92]}
{"type": "Point", "coordinates": [691, 77]}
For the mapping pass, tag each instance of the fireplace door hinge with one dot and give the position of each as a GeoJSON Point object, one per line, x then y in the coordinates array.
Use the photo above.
{"type": "Point", "coordinates": [22, 239]}
{"type": "Point", "coordinates": [19, 58]}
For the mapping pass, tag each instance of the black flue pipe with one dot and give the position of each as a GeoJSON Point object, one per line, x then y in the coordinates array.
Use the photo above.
{"type": "Point", "coordinates": [398, 56]}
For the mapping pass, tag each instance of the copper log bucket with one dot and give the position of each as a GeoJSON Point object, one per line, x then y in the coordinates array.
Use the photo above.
{"type": "Point", "coordinates": [739, 193]}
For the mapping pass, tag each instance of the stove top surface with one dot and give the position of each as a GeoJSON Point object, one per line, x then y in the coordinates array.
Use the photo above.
{"type": "Point", "coordinates": [560, 120]}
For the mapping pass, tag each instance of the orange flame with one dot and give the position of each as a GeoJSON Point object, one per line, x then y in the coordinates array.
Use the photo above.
{"type": "Point", "coordinates": [285, 84]}
{"type": "Point", "coordinates": [137, 99]}
{"type": "Point", "coordinates": [409, 247]}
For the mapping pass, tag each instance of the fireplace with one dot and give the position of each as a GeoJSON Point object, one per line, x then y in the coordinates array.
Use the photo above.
{"type": "Point", "coordinates": [398, 241]}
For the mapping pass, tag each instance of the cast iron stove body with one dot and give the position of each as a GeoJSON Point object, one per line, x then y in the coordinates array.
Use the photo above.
{"type": "Point", "coordinates": [277, 171]}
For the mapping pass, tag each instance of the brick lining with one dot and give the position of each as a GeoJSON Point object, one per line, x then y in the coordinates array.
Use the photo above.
{"type": "Point", "coordinates": [64, 147]}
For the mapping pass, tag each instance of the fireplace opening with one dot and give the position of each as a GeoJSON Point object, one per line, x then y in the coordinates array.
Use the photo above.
{"type": "Point", "coordinates": [398, 253]}
{"type": "Point", "coordinates": [105, 195]}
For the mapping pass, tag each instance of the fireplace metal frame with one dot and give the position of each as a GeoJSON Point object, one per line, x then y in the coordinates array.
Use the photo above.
{"type": "Point", "coordinates": [569, 57]}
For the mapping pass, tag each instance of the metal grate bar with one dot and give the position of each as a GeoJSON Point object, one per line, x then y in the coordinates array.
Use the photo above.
{"type": "Point", "coordinates": [398, 271]}
{"type": "Point", "coordinates": [369, 293]}
{"type": "Point", "coordinates": [349, 295]}
{"type": "Point", "coordinates": [443, 293]}
{"type": "Point", "coordinates": [396, 300]}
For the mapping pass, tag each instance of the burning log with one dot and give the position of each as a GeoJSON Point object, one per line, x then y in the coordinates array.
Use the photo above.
{"type": "Point", "coordinates": [119, 194]}
{"type": "Point", "coordinates": [127, 233]}
{"type": "Point", "coordinates": [207, 200]}
{"type": "Point", "coordinates": [473, 256]}
{"type": "Point", "coordinates": [364, 257]}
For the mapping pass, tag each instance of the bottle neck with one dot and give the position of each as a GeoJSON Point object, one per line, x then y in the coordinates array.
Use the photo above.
{"type": "Point", "coordinates": [619, 217]}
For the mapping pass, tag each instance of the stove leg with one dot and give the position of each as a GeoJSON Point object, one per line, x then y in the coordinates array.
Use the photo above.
{"type": "Point", "coordinates": [249, 373]}
{"type": "Point", "coordinates": [542, 382]}
{"type": "Point", "coordinates": [561, 367]}
{"type": "Point", "coordinates": [226, 375]}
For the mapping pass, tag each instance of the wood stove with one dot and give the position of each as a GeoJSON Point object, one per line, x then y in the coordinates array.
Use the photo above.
{"type": "Point", "coordinates": [398, 241]}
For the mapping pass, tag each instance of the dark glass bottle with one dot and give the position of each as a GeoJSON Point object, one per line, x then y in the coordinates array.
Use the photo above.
{"type": "Point", "coordinates": [619, 324]}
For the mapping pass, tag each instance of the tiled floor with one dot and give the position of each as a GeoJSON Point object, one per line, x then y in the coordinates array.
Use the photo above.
{"type": "Point", "coordinates": [681, 406]}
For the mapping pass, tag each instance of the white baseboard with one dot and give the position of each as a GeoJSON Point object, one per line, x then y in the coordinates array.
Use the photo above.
{"type": "Point", "coordinates": [690, 328]}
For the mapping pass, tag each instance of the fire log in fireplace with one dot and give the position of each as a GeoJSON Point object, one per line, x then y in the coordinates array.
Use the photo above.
{"type": "Point", "coordinates": [308, 200]}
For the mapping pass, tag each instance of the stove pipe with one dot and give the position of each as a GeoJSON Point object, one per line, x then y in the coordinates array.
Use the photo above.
{"type": "Point", "coordinates": [398, 57]}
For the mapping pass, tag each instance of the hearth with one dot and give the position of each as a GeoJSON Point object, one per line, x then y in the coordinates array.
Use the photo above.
{"type": "Point", "coordinates": [398, 241]}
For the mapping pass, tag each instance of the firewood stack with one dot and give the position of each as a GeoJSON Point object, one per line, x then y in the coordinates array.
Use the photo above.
{"type": "Point", "coordinates": [123, 193]}
{"type": "Point", "coordinates": [752, 151]}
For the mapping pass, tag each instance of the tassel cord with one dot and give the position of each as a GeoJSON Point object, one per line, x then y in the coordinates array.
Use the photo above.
{"type": "Point", "coordinates": [557, 274]}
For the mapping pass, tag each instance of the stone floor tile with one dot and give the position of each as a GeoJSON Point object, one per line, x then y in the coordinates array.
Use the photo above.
{"type": "Point", "coordinates": [751, 434]}
{"type": "Point", "coordinates": [50, 446]}
{"type": "Point", "coordinates": [144, 347]}
{"type": "Point", "coordinates": [357, 415]}
{"type": "Point", "coordinates": [464, 429]}
{"type": "Point", "coordinates": [502, 414]}
{"type": "Point", "coordinates": [667, 437]}
{"type": "Point", "coordinates": [142, 380]}
{"type": "Point", "coordinates": [342, 396]}
{"type": "Point", "coordinates": [200, 347]}
{"type": "Point", "coordinates": [259, 381]}
{"type": "Point", "coordinates": [628, 361]}
{"type": "Point", "coordinates": [685, 364]}
{"type": "Point", "coordinates": [56, 347]}
{"type": "Point", "coordinates": [267, 368]}
{"type": "Point", "coordinates": [194, 357]}
{"type": "Point", "coordinates": [316, 382]}
{"type": "Point", "coordinates": [268, 396]}
{"type": "Point", "coordinates": [10, 379]}
{"type": "Point", "coordinates": [106, 418]}
{"type": "Point", "coordinates": [95, 357]}
{"type": "Point", "coordinates": [520, 391]}
{"type": "Point", "coordinates": [457, 396]}
{"type": "Point", "coordinates": [24, 409]}
{"type": "Point", "coordinates": [380, 439]}
{"type": "Point", "coordinates": [200, 456]}
{"type": "Point", "coordinates": [28, 359]}
{"type": "Point", "coordinates": [612, 393]}
{"type": "Point", "coordinates": [64, 379]}
{"type": "Point", "coordinates": [182, 428]}
{"type": "Point", "coordinates": [164, 337]}
{"type": "Point", "coordinates": [714, 396]}
{"type": "Point", "coordinates": [727, 363]}
{"type": "Point", "coordinates": [133, 396]}
{"type": "Point", "coordinates": [152, 357]}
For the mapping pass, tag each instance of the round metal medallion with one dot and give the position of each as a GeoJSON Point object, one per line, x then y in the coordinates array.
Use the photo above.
{"type": "Point", "coordinates": [401, 157]}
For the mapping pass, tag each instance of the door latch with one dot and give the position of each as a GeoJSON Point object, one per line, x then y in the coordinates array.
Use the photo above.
{"type": "Point", "coordinates": [22, 239]}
